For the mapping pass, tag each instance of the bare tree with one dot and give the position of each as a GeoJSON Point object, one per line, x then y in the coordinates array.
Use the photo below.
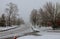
{"type": "Point", "coordinates": [49, 13]}
{"type": "Point", "coordinates": [11, 11]}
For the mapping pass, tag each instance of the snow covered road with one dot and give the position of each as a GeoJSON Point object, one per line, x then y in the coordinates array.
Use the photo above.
{"type": "Point", "coordinates": [41, 37]}
{"type": "Point", "coordinates": [15, 32]}
{"type": "Point", "coordinates": [27, 29]}
{"type": "Point", "coordinates": [44, 35]}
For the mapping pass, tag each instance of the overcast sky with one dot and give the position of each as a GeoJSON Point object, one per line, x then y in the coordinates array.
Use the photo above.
{"type": "Point", "coordinates": [25, 6]}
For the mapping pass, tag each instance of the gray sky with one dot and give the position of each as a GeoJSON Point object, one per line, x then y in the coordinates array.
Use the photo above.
{"type": "Point", "coordinates": [25, 6]}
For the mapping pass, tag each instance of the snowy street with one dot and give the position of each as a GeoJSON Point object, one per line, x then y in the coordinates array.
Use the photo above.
{"type": "Point", "coordinates": [44, 35]}
{"type": "Point", "coordinates": [15, 32]}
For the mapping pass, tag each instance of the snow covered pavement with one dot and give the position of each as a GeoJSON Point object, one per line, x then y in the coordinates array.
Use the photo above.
{"type": "Point", "coordinates": [21, 30]}
{"type": "Point", "coordinates": [40, 37]}
{"type": "Point", "coordinates": [45, 35]}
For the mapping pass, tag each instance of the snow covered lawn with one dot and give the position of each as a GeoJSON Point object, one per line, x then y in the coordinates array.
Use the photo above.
{"type": "Point", "coordinates": [7, 28]}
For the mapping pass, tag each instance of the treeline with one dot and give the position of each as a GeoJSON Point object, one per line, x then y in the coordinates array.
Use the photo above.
{"type": "Point", "coordinates": [48, 15]}
{"type": "Point", "coordinates": [10, 16]}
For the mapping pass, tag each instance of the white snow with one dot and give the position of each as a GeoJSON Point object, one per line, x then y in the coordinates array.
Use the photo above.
{"type": "Point", "coordinates": [44, 34]}
{"type": "Point", "coordinates": [6, 28]}
{"type": "Point", "coordinates": [41, 37]}
{"type": "Point", "coordinates": [21, 30]}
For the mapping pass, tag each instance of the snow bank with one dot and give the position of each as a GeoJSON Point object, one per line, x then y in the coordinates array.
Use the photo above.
{"type": "Point", "coordinates": [45, 28]}
{"type": "Point", "coordinates": [7, 28]}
